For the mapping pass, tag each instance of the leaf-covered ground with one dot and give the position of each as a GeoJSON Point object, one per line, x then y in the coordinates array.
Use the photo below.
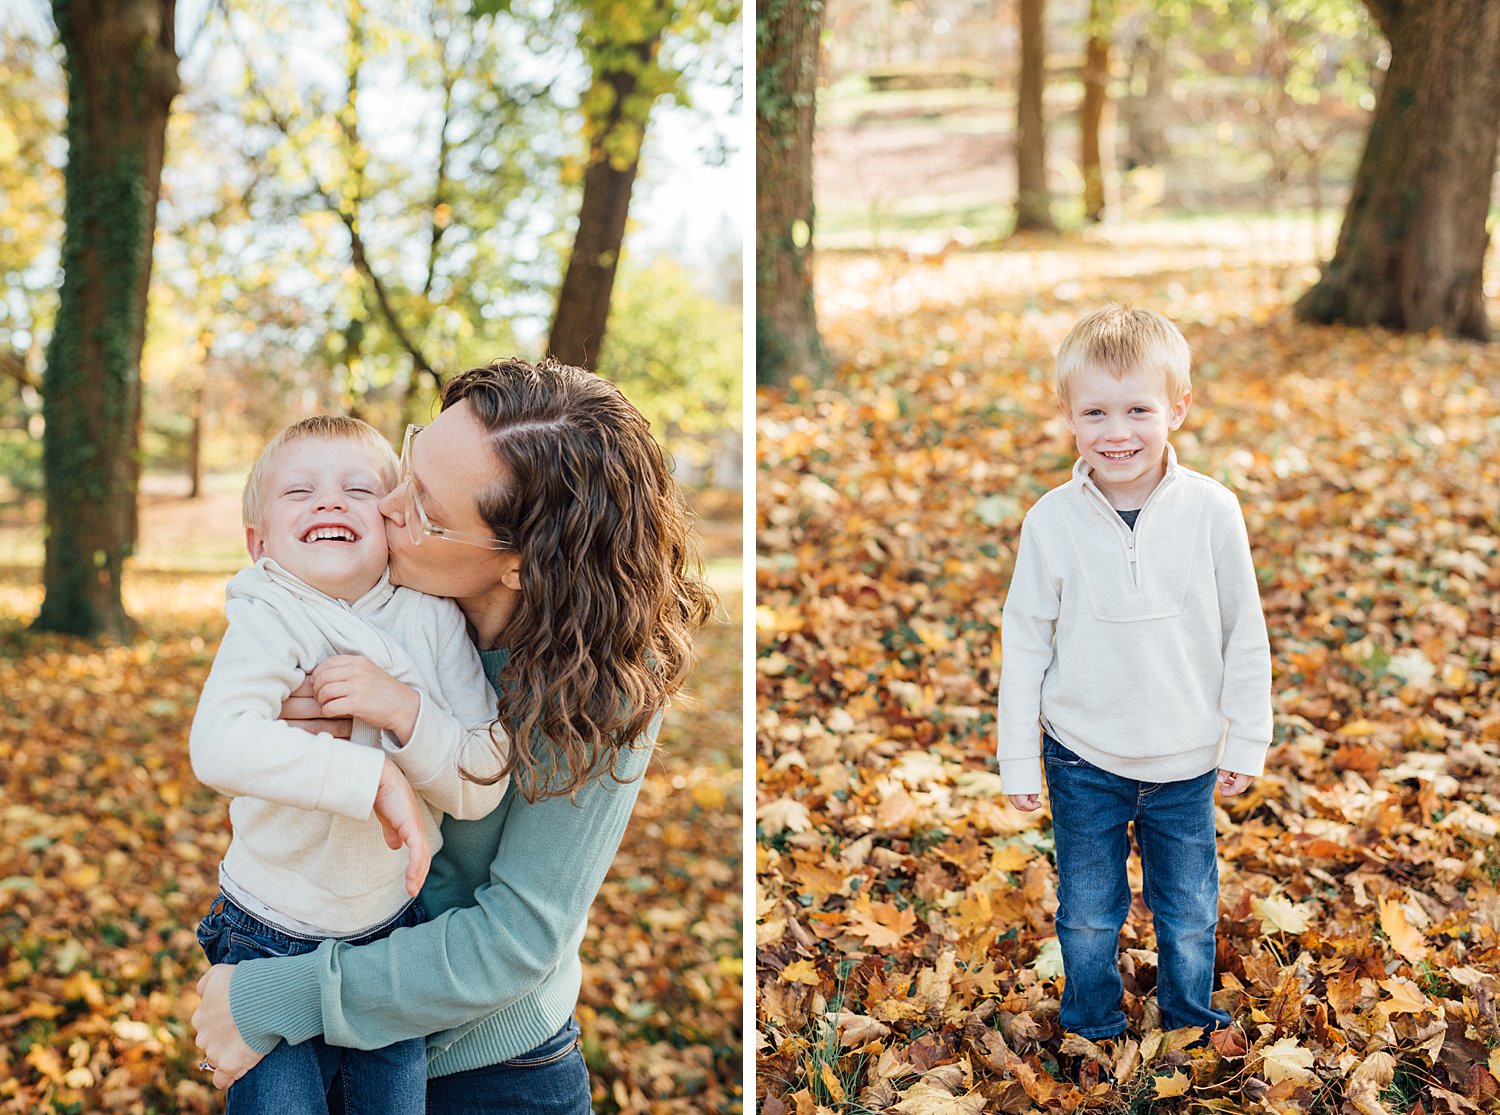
{"type": "Point", "coordinates": [109, 852]}
{"type": "Point", "coordinates": [906, 959]}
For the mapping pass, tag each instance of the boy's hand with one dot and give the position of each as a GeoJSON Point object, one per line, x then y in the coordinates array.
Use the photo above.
{"type": "Point", "coordinates": [1026, 803]}
{"type": "Point", "coordinates": [1231, 783]}
{"type": "Point", "coordinates": [352, 685]}
{"type": "Point", "coordinates": [401, 821]}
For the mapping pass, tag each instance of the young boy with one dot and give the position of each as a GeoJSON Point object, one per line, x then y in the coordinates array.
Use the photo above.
{"type": "Point", "coordinates": [308, 861]}
{"type": "Point", "coordinates": [1135, 661]}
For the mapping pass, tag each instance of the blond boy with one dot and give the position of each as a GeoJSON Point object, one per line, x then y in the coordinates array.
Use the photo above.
{"type": "Point", "coordinates": [1136, 668]}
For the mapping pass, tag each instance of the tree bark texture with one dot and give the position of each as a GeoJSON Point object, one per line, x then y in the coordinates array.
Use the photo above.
{"type": "Point", "coordinates": [1091, 117]}
{"type": "Point", "coordinates": [786, 323]}
{"type": "Point", "coordinates": [1033, 202]}
{"type": "Point", "coordinates": [577, 332]}
{"type": "Point", "coordinates": [121, 65]}
{"type": "Point", "coordinates": [1411, 250]}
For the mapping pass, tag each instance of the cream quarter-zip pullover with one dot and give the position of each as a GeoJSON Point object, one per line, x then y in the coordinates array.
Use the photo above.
{"type": "Point", "coordinates": [307, 851]}
{"type": "Point", "coordinates": [1145, 650]}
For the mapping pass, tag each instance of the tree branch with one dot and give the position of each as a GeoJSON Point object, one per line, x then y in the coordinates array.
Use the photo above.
{"type": "Point", "coordinates": [13, 364]}
{"type": "Point", "coordinates": [359, 257]}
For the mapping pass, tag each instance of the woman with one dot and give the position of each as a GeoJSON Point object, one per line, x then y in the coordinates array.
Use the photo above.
{"type": "Point", "coordinates": [539, 501]}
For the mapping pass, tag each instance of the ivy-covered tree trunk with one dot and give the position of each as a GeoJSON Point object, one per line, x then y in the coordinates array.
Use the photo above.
{"type": "Point", "coordinates": [1033, 202]}
{"type": "Point", "coordinates": [1091, 114]}
{"type": "Point", "coordinates": [786, 60]}
{"type": "Point", "coordinates": [617, 108]}
{"type": "Point", "coordinates": [121, 65]}
{"type": "Point", "coordinates": [1411, 250]}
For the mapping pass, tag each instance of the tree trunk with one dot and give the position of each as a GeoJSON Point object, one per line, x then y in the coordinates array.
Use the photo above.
{"type": "Point", "coordinates": [1411, 250]}
{"type": "Point", "coordinates": [1146, 106]}
{"type": "Point", "coordinates": [1095, 98]}
{"type": "Point", "coordinates": [786, 323]}
{"type": "Point", "coordinates": [577, 332]}
{"type": "Point", "coordinates": [121, 63]}
{"type": "Point", "coordinates": [195, 448]}
{"type": "Point", "coordinates": [1033, 203]}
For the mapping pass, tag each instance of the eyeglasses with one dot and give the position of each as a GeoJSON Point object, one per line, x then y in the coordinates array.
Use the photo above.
{"type": "Point", "coordinates": [417, 522]}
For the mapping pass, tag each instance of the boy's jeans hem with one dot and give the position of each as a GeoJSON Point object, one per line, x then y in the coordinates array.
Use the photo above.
{"type": "Point", "coordinates": [1092, 811]}
{"type": "Point", "coordinates": [300, 1079]}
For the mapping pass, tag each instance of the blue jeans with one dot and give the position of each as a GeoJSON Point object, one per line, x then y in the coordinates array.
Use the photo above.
{"type": "Point", "coordinates": [1174, 830]}
{"type": "Point", "coordinates": [309, 1078]}
{"type": "Point", "coordinates": [549, 1080]}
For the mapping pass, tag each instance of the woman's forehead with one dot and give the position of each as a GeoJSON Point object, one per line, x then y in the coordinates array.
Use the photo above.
{"type": "Point", "coordinates": [451, 460]}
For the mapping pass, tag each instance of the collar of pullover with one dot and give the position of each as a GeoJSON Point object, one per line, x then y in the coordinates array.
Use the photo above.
{"type": "Point", "coordinates": [266, 575]}
{"type": "Point", "coordinates": [1083, 478]}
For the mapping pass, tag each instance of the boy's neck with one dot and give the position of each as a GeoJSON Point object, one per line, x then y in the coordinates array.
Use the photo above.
{"type": "Point", "coordinates": [1133, 496]}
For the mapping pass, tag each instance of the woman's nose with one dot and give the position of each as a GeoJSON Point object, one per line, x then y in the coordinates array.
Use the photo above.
{"type": "Point", "coordinates": [392, 505]}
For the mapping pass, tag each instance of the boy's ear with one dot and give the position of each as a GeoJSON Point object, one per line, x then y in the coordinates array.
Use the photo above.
{"type": "Point", "coordinates": [1067, 415]}
{"type": "Point", "coordinates": [1180, 409]}
{"type": "Point", "coordinates": [254, 543]}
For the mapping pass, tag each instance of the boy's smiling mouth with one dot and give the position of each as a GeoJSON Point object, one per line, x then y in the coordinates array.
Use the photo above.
{"type": "Point", "coordinates": [330, 532]}
{"type": "Point", "coordinates": [1118, 454]}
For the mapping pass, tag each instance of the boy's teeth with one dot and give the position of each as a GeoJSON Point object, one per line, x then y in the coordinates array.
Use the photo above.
{"type": "Point", "coordinates": [323, 533]}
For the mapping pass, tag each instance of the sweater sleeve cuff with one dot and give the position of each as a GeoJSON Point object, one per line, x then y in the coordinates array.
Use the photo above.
{"type": "Point", "coordinates": [277, 998]}
{"type": "Point", "coordinates": [1244, 756]}
{"type": "Point", "coordinates": [1021, 776]}
{"type": "Point", "coordinates": [421, 758]}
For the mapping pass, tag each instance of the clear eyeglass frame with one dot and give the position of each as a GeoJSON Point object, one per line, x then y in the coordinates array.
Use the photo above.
{"type": "Point", "coordinates": [418, 525]}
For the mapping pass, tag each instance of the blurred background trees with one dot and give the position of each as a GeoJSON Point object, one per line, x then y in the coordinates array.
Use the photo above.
{"type": "Point", "coordinates": [944, 126]}
{"type": "Point", "coordinates": [359, 199]}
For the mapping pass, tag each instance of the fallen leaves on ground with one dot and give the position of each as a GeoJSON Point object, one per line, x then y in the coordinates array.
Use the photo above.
{"type": "Point", "coordinates": [1359, 936]}
{"type": "Point", "coordinates": [109, 851]}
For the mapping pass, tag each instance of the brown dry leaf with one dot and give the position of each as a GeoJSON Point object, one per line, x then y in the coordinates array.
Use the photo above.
{"type": "Point", "coordinates": [881, 924]}
{"type": "Point", "coordinates": [1405, 938]}
{"type": "Point", "coordinates": [1287, 1060]}
{"type": "Point", "coordinates": [1369, 1078]}
{"type": "Point", "coordinates": [1173, 1084]}
{"type": "Point", "coordinates": [857, 1029]}
{"type": "Point", "coordinates": [801, 971]}
{"type": "Point", "coordinates": [928, 1099]}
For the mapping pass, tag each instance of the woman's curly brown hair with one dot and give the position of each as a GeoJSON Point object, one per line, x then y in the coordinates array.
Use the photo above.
{"type": "Point", "coordinates": [611, 581]}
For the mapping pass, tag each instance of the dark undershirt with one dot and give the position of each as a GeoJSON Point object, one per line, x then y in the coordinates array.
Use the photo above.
{"type": "Point", "coordinates": [1128, 516]}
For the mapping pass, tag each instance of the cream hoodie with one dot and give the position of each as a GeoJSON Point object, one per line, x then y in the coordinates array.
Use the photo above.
{"type": "Point", "coordinates": [306, 844]}
{"type": "Point", "coordinates": [1143, 651]}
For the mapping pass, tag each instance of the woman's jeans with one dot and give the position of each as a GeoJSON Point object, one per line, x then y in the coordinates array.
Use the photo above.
{"type": "Point", "coordinates": [1174, 830]}
{"type": "Point", "coordinates": [313, 1077]}
{"type": "Point", "coordinates": [549, 1080]}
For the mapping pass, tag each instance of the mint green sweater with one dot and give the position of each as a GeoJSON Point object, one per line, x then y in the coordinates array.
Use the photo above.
{"type": "Point", "coordinates": [495, 972]}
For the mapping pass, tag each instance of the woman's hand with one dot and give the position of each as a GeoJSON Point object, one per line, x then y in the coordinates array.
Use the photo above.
{"type": "Point", "coordinates": [1231, 783]}
{"type": "Point", "coordinates": [217, 1035]}
{"type": "Point", "coordinates": [302, 710]}
{"type": "Point", "coordinates": [352, 685]}
{"type": "Point", "coordinates": [401, 821]}
{"type": "Point", "coordinates": [1026, 803]}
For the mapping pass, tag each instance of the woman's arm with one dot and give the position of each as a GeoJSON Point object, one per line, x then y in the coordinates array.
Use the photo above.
{"type": "Point", "coordinates": [550, 860]}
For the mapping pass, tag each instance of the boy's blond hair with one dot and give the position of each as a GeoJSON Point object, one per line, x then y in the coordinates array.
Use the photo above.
{"type": "Point", "coordinates": [335, 426]}
{"type": "Point", "coordinates": [1121, 340]}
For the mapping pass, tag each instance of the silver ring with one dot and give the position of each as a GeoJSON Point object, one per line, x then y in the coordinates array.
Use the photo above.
{"type": "Point", "coordinates": [205, 1066]}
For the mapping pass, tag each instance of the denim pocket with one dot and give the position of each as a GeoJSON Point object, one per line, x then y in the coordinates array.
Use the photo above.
{"type": "Point", "coordinates": [1054, 752]}
{"type": "Point", "coordinates": [554, 1049]}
